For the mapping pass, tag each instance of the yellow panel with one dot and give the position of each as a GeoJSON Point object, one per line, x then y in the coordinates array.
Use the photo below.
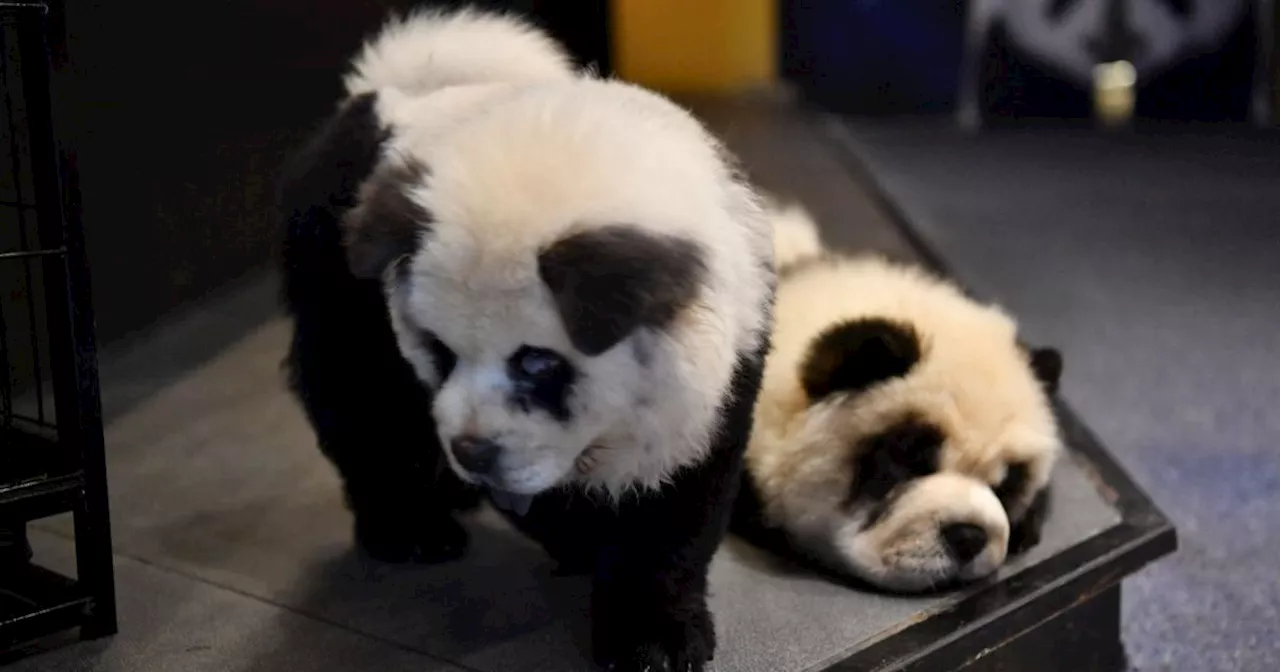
{"type": "Point", "coordinates": [695, 45]}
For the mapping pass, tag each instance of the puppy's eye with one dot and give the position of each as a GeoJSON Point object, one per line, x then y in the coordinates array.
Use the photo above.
{"type": "Point", "coordinates": [538, 364]}
{"type": "Point", "coordinates": [541, 379]}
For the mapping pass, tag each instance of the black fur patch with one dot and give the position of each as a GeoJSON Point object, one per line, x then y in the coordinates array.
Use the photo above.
{"type": "Point", "coordinates": [1024, 533]}
{"type": "Point", "coordinates": [322, 177]}
{"type": "Point", "coordinates": [1012, 490]}
{"type": "Point", "coordinates": [541, 379]}
{"type": "Point", "coordinates": [1047, 365]}
{"type": "Point", "coordinates": [1024, 530]}
{"type": "Point", "coordinates": [445, 359]}
{"type": "Point", "coordinates": [903, 452]}
{"type": "Point", "coordinates": [610, 281]}
{"type": "Point", "coordinates": [853, 356]}
{"type": "Point", "coordinates": [387, 224]}
{"type": "Point", "coordinates": [884, 506]}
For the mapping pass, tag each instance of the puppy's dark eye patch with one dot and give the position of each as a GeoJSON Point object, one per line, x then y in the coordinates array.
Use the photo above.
{"type": "Point", "coordinates": [884, 506]}
{"type": "Point", "coordinates": [1011, 490]}
{"type": "Point", "coordinates": [445, 358]}
{"type": "Point", "coordinates": [541, 379]}
{"type": "Point", "coordinates": [905, 451]}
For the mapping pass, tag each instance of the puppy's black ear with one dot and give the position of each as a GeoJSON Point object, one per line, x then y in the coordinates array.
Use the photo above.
{"type": "Point", "coordinates": [610, 281]}
{"type": "Point", "coordinates": [1047, 365]}
{"type": "Point", "coordinates": [325, 179]}
{"type": "Point", "coordinates": [386, 224]}
{"type": "Point", "coordinates": [320, 180]}
{"type": "Point", "coordinates": [855, 355]}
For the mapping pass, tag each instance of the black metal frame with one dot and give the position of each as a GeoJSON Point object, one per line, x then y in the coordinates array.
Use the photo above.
{"type": "Point", "coordinates": [52, 460]}
{"type": "Point", "coordinates": [1081, 577]}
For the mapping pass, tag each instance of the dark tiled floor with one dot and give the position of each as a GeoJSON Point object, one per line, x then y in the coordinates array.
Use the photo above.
{"type": "Point", "coordinates": [231, 533]}
{"type": "Point", "coordinates": [175, 623]}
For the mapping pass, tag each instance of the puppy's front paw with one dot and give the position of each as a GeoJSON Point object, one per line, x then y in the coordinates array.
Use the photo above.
{"type": "Point", "coordinates": [438, 539]}
{"type": "Point", "coordinates": [648, 658]}
{"type": "Point", "coordinates": [675, 642]}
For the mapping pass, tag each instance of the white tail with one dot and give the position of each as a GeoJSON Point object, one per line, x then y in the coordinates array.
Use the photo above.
{"type": "Point", "coordinates": [795, 235]}
{"type": "Point", "coordinates": [429, 50]}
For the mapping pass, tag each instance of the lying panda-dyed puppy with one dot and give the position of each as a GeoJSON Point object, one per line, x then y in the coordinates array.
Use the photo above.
{"type": "Point", "coordinates": [903, 435]}
{"type": "Point", "coordinates": [508, 274]}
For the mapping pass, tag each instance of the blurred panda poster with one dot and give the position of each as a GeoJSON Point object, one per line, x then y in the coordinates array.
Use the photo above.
{"type": "Point", "coordinates": [1195, 59]}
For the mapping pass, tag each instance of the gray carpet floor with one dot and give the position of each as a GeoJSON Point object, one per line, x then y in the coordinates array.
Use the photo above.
{"type": "Point", "coordinates": [1153, 260]}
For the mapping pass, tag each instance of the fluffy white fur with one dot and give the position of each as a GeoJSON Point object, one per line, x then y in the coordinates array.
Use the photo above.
{"type": "Point", "coordinates": [973, 381]}
{"type": "Point", "coordinates": [795, 238]}
{"type": "Point", "coordinates": [431, 49]}
{"type": "Point", "coordinates": [519, 163]}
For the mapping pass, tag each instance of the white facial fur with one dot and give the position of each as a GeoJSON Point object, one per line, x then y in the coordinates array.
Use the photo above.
{"type": "Point", "coordinates": [904, 550]}
{"type": "Point", "coordinates": [972, 382]}
{"type": "Point", "coordinates": [514, 168]}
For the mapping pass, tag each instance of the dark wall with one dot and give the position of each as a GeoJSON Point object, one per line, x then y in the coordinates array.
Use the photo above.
{"type": "Point", "coordinates": [181, 114]}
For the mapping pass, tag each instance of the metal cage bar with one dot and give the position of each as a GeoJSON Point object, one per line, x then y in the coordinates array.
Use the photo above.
{"type": "Point", "coordinates": [52, 456]}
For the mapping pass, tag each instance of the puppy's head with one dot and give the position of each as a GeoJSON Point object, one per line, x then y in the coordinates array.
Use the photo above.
{"type": "Point", "coordinates": [571, 268]}
{"type": "Point", "coordinates": [911, 445]}
{"type": "Point", "coordinates": [949, 458]}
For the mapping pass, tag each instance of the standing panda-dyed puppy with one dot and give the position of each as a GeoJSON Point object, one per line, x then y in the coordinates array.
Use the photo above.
{"type": "Point", "coordinates": [903, 434]}
{"type": "Point", "coordinates": [511, 277]}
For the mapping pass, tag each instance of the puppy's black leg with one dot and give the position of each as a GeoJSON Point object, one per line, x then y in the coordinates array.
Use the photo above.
{"type": "Point", "coordinates": [649, 601]}
{"type": "Point", "coordinates": [649, 604]}
{"type": "Point", "coordinates": [373, 421]}
{"type": "Point", "coordinates": [401, 517]}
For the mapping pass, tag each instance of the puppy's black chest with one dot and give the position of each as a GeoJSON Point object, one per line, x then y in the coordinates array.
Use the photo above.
{"type": "Point", "coordinates": [571, 526]}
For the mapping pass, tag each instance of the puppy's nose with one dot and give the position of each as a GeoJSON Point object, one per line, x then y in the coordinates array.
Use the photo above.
{"type": "Point", "coordinates": [476, 455]}
{"type": "Point", "coordinates": [964, 541]}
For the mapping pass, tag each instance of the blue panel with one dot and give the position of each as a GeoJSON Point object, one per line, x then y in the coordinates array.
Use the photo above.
{"type": "Point", "coordinates": [874, 55]}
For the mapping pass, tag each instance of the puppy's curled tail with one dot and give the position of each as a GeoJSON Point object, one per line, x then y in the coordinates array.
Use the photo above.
{"type": "Point", "coordinates": [431, 49]}
{"type": "Point", "coordinates": [795, 235]}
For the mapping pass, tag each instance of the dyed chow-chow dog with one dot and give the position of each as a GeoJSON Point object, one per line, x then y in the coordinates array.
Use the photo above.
{"type": "Point", "coordinates": [903, 434]}
{"type": "Point", "coordinates": [510, 277]}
